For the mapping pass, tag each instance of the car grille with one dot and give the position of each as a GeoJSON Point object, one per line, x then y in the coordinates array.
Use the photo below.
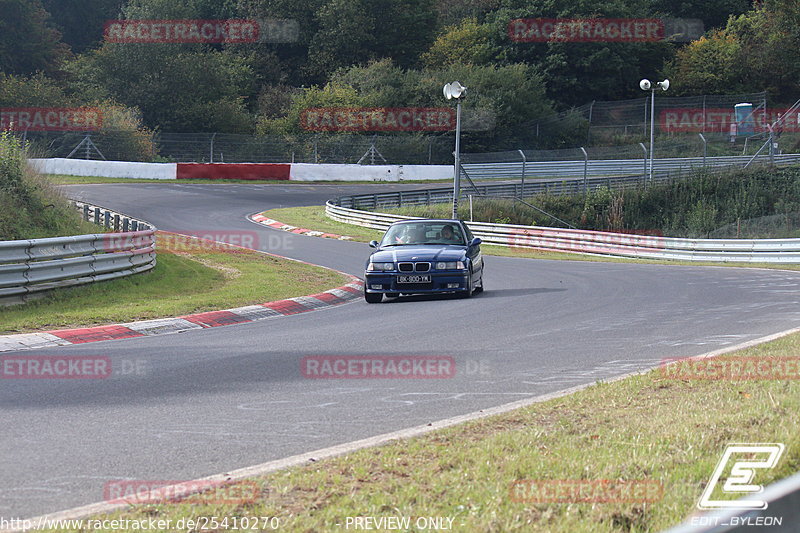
{"type": "Point", "coordinates": [412, 267]}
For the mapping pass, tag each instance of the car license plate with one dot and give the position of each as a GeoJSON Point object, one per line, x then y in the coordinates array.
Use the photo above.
{"type": "Point", "coordinates": [426, 278]}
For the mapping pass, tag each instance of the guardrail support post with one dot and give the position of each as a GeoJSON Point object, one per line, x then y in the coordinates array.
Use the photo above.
{"type": "Point", "coordinates": [644, 148]}
{"type": "Point", "coordinates": [524, 160]}
{"type": "Point", "coordinates": [107, 219]}
{"type": "Point", "coordinates": [86, 212]}
{"type": "Point", "coordinates": [585, 170]}
{"type": "Point", "coordinates": [705, 143]}
{"type": "Point", "coordinates": [116, 222]}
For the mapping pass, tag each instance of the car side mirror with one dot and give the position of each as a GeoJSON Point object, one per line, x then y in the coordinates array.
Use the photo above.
{"type": "Point", "coordinates": [373, 244]}
{"type": "Point", "coordinates": [476, 241]}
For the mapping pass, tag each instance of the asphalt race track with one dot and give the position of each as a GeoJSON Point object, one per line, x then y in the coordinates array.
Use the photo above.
{"type": "Point", "coordinates": [213, 400]}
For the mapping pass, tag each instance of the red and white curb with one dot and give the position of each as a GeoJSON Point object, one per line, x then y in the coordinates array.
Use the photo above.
{"type": "Point", "coordinates": [261, 219]}
{"type": "Point", "coordinates": [210, 319]}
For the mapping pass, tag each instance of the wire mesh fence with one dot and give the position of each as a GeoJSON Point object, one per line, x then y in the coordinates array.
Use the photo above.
{"type": "Point", "coordinates": [236, 148]}
{"type": "Point", "coordinates": [604, 122]}
{"type": "Point", "coordinates": [685, 126]}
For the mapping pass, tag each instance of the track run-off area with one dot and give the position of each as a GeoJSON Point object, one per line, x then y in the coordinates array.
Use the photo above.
{"type": "Point", "coordinates": [220, 399]}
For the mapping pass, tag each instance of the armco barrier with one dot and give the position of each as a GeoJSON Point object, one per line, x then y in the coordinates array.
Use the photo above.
{"type": "Point", "coordinates": [597, 242]}
{"type": "Point", "coordinates": [601, 168]}
{"type": "Point", "coordinates": [35, 265]}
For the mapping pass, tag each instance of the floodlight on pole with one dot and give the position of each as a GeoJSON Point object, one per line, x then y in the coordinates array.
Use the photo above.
{"type": "Point", "coordinates": [645, 85]}
{"type": "Point", "coordinates": [457, 91]}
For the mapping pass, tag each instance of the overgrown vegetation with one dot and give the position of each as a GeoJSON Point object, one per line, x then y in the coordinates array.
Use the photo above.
{"type": "Point", "coordinates": [758, 203]}
{"type": "Point", "coordinates": [29, 206]}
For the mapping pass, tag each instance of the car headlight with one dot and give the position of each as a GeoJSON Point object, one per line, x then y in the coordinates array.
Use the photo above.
{"type": "Point", "coordinates": [380, 266]}
{"type": "Point", "coordinates": [450, 265]}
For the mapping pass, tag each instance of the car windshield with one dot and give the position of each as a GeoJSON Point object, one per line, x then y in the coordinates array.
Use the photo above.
{"type": "Point", "coordinates": [424, 233]}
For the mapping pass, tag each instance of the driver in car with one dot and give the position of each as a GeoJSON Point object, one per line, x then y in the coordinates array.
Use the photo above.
{"type": "Point", "coordinates": [448, 235]}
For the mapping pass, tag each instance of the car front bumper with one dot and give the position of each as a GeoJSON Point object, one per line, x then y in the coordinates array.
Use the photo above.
{"type": "Point", "coordinates": [386, 282]}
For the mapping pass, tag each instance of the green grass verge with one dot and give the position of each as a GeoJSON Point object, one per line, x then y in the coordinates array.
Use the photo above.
{"type": "Point", "coordinates": [192, 282]}
{"type": "Point", "coordinates": [314, 218]}
{"type": "Point", "coordinates": [649, 428]}
{"type": "Point", "coordinates": [62, 179]}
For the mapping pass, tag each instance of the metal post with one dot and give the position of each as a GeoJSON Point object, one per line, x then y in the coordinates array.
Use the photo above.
{"type": "Point", "coordinates": [470, 208]}
{"type": "Point", "coordinates": [704, 119]}
{"type": "Point", "coordinates": [652, 128]}
{"type": "Point", "coordinates": [705, 146]}
{"type": "Point", "coordinates": [589, 128]}
{"type": "Point", "coordinates": [645, 159]}
{"type": "Point", "coordinates": [522, 181]}
{"type": "Point", "coordinates": [211, 153]}
{"type": "Point", "coordinates": [585, 171]}
{"type": "Point", "coordinates": [457, 168]}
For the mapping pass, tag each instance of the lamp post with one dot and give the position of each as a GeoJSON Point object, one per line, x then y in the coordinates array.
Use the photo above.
{"type": "Point", "coordinates": [457, 91]}
{"type": "Point", "coordinates": [645, 85]}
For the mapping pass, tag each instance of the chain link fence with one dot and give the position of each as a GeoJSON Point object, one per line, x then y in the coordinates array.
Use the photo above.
{"type": "Point", "coordinates": [685, 126]}
{"type": "Point", "coordinates": [235, 148]}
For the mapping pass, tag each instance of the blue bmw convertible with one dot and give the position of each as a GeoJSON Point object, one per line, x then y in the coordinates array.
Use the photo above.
{"type": "Point", "coordinates": [422, 256]}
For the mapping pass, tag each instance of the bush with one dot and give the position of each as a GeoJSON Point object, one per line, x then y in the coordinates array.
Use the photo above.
{"type": "Point", "coordinates": [29, 206]}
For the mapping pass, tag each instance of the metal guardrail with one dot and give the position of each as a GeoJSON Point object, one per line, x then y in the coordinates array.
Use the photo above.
{"type": "Point", "coordinates": [601, 168]}
{"type": "Point", "coordinates": [34, 265]}
{"type": "Point", "coordinates": [568, 180]}
{"type": "Point", "coordinates": [783, 498]}
{"type": "Point", "coordinates": [597, 242]}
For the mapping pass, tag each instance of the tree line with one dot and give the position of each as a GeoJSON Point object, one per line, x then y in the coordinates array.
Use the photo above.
{"type": "Point", "coordinates": [363, 53]}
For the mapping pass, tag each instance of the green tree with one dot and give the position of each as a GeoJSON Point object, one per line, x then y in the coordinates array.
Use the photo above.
{"type": "Point", "coordinates": [579, 72]}
{"type": "Point", "coordinates": [177, 87]}
{"type": "Point", "coordinates": [28, 40]}
{"type": "Point", "coordinates": [467, 42]}
{"type": "Point", "coordinates": [81, 22]}
{"type": "Point", "coordinates": [352, 32]}
{"type": "Point", "coordinates": [755, 51]}
{"type": "Point", "coordinates": [34, 91]}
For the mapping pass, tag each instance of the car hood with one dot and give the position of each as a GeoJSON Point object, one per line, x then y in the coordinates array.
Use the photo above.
{"type": "Point", "coordinates": [428, 252]}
